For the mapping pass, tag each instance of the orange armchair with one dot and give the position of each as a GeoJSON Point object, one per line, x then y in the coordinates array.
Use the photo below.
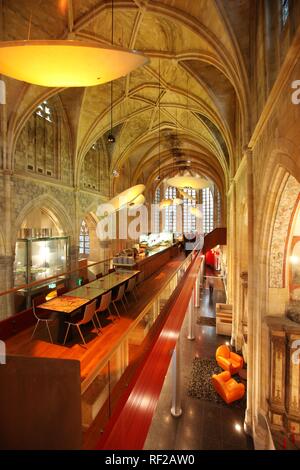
{"type": "Point", "coordinates": [228, 360]}
{"type": "Point", "coordinates": [229, 389]}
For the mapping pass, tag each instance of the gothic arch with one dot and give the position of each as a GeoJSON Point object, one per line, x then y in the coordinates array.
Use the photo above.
{"type": "Point", "coordinates": [54, 208]}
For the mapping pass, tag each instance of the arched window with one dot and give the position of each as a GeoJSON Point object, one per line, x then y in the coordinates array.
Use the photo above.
{"type": "Point", "coordinates": [170, 212]}
{"type": "Point", "coordinates": [219, 209]}
{"type": "Point", "coordinates": [156, 227]}
{"type": "Point", "coordinates": [84, 239]}
{"type": "Point", "coordinates": [284, 12]}
{"type": "Point", "coordinates": [44, 111]}
{"type": "Point", "coordinates": [189, 220]}
{"type": "Point", "coordinates": [208, 210]}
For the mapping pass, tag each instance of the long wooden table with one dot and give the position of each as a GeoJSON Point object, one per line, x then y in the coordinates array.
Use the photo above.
{"type": "Point", "coordinates": [69, 303]}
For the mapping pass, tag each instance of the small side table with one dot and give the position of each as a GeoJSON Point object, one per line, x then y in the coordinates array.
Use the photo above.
{"type": "Point", "coordinates": [243, 374]}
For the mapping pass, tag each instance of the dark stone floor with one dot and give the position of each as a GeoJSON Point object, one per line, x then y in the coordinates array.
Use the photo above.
{"type": "Point", "coordinates": [204, 425]}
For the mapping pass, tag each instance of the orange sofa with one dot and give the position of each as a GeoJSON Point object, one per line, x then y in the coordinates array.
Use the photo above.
{"type": "Point", "coordinates": [228, 388]}
{"type": "Point", "coordinates": [228, 360]}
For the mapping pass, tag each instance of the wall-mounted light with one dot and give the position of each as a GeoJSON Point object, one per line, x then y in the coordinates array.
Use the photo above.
{"type": "Point", "coordinates": [238, 427]}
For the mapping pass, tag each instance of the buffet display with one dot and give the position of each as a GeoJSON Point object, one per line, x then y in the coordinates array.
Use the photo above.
{"type": "Point", "coordinates": [148, 245]}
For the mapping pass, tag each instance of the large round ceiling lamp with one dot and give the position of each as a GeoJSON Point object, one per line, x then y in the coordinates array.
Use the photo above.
{"type": "Point", "coordinates": [188, 182]}
{"type": "Point", "coordinates": [66, 63]}
{"type": "Point", "coordinates": [165, 203]}
{"type": "Point", "coordinates": [137, 202]}
{"type": "Point", "coordinates": [195, 211]}
{"type": "Point", "coordinates": [120, 201]}
{"type": "Point", "coordinates": [185, 195]}
{"type": "Point", "coordinates": [177, 201]}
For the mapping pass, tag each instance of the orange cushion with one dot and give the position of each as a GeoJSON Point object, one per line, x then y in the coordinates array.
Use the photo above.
{"type": "Point", "coordinates": [228, 388]}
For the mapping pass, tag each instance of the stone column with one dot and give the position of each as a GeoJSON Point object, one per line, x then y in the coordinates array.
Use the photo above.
{"type": "Point", "coordinates": [7, 305]}
{"type": "Point", "coordinates": [252, 330]}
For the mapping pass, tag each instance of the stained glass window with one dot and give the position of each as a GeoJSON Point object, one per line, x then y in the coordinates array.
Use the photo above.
{"type": "Point", "coordinates": [208, 210]}
{"type": "Point", "coordinates": [189, 220]}
{"type": "Point", "coordinates": [285, 10]}
{"type": "Point", "coordinates": [157, 213]}
{"type": "Point", "coordinates": [170, 212]}
{"type": "Point", "coordinates": [44, 111]}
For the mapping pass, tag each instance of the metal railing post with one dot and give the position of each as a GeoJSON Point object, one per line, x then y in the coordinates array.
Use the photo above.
{"type": "Point", "coordinates": [176, 409]}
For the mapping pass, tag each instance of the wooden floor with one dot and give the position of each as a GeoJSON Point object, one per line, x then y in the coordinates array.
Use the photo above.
{"type": "Point", "coordinates": [97, 346]}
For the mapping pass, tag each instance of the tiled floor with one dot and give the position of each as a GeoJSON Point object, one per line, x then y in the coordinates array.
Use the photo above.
{"type": "Point", "coordinates": [203, 425]}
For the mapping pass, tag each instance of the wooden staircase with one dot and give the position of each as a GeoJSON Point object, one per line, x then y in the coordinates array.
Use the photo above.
{"type": "Point", "coordinates": [217, 237]}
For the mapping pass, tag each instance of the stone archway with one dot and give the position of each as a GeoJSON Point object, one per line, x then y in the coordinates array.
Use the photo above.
{"type": "Point", "coordinates": [53, 210]}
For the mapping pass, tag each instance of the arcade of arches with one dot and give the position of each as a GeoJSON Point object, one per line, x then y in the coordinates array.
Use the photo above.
{"type": "Point", "coordinates": [218, 87]}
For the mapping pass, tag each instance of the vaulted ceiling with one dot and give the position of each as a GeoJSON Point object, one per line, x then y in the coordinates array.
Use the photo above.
{"type": "Point", "coordinates": [201, 48]}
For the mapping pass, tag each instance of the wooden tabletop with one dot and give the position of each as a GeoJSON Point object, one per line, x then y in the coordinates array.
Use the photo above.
{"type": "Point", "coordinates": [64, 304]}
{"type": "Point", "coordinates": [101, 286]}
{"type": "Point", "coordinates": [76, 298]}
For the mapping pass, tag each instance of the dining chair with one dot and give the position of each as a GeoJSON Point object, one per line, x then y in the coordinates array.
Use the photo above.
{"type": "Point", "coordinates": [99, 275]}
{"type": "Point", "coordinates": [139, 279]}
{"type": "Point", "coordinates": [104, 304]}
{"type": "Point", "coordinates": [130, 289]}
{"type": "Point", "coordinates": [61, 290]}
{"type": "Point", "coordinates": [119, 298]}
{"type": "Point", "coordinates": [89, 313]}
{"type": "Point", "coordinates": [39, 314]}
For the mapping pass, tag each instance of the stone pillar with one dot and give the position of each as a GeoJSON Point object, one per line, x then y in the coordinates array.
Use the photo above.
{"type": "Point", "coordinates": [176, 410]}
{"type": "Point", "coordinates": [7, 306]}
{"type": "Point", "coordinates": [252, 327]}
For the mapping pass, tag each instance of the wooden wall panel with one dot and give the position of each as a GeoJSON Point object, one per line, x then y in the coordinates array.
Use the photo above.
{"type": "Point", "coordinates": [40, 405]}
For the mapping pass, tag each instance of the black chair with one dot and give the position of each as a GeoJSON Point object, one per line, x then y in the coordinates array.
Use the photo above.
{"type": "Point", "coordinates": [88, 316]}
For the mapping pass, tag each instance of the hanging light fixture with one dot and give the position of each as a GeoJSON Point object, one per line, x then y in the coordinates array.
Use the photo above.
{"type": "Point", "coordinates": [195, 211]}
{"type": "Point", "coordinates": [121, 200]}
{"type": "Point", "coordinates": [185, 195]}
{"type": "Point", "coordinates": [188, 182]}
{"type": "Point", "coordinates": [111, 138]}
{"type": "Point", "coordinates": [66, 63]}
{"type": "Point", "coordinates": [165, 203]}
{"type": "Point", "coordinates": [177, 201]}
{"type": "Point", "coordinates": [137, 202]}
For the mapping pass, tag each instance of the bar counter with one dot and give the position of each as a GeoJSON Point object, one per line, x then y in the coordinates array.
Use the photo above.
{"type": "Point", "coordinates": [154, 260]}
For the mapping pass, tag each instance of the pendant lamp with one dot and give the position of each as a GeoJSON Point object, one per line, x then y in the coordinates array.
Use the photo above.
{"type": "Point", "coordinates": [188, 182]}
{"type": "Point", "coordinates": [195, 211]}
{"type": "Point", "coordinates": [165, 203]}
{"type": "Point", "coordinates": [66, 63]}
{"type": "Point", "coordinates": [121, 200]}
{"type": "Point", "coordinates": [137, 202]}
{"type": "Point", "coordinates": [185, 195]}
{"type": "Point", "coordinates": [177, 201]}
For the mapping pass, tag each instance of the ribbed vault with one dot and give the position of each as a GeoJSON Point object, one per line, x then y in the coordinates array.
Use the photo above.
{"type": "Point", "coordinates": [203, 97]}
